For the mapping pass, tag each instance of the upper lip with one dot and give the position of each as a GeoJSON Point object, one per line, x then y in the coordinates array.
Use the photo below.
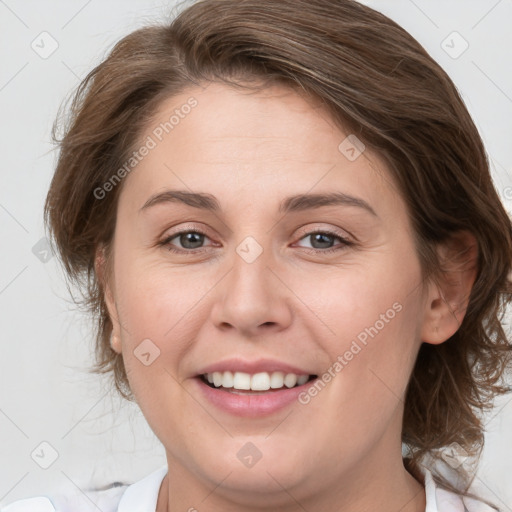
{"type": "Point", "coordinates": [252, 367]}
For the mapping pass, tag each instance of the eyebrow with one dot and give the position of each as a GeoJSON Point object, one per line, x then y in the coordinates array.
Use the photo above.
{"type": "Point", "coordinates": [296, 203]}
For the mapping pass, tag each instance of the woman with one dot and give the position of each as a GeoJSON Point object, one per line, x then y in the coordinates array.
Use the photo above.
{"type": "Point", "coordinates": [282, 216]}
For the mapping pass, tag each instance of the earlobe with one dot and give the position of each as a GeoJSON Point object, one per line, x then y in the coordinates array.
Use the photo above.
{"type": "Point", "coordinates": [108, 297]}
{"type": "Point", "coordinates": [115, 342]}
{"type": "Point", "coordinates": [448, 295]}
{"type": "Point", "coordinates": [115, 335]}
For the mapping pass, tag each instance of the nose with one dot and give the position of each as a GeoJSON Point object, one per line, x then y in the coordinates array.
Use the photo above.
{"type": "Point", "coordinates": [252, 299]}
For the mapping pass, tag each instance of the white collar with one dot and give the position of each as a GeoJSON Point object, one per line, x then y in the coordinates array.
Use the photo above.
{"type": "Point", "coordinates": [143, 495]}
{"type": "Point", "coordinates": [430, 492]}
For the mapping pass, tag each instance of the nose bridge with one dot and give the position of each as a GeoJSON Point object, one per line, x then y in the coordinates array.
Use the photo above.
{"type": "Point", "coordinates": [252, 298]}
{"type": "Point", "coordinates": [249, 277]}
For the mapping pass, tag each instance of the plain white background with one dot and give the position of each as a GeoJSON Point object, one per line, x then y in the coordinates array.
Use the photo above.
{"type": "Point", "coordinates": [46, 393]}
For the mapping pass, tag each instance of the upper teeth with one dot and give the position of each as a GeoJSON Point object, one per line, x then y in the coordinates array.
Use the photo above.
{"type": "Point", "coordinates": [257, 382]}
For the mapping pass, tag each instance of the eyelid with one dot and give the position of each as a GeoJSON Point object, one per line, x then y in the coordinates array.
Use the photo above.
{"type": "Point", "coordinates": [185, 228]}
{"type": "Point", "coordinates": [344, 235]}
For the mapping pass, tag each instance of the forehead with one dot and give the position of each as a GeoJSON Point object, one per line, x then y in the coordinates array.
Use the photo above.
{"type": "Point", "coordinates": [270, 142]}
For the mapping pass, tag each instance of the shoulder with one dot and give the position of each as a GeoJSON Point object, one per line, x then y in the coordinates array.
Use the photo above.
{"type": "Point", "coordinates": [36, 504]}
{"type": "Point", "coordinates": [105, 500]}
{"type": "Point", "coordinates": [141, 495]}
{"type": "Point", "coordinates": [449, 501]}
{"type": "Point", "coordinates": [443, 500]}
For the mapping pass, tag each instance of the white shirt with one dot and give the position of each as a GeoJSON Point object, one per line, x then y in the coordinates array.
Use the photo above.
{"type": "Point", "coordinates": [142, 497]}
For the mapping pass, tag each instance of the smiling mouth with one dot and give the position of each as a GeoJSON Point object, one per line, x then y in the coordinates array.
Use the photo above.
{"type": "Point", "coordinates": [254, 384]}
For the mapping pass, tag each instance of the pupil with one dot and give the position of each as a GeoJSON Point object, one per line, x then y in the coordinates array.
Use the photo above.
{"type": "Point", "coordinates": [191, 240]}
{"type": "Point", "coordinates": [322, 238]}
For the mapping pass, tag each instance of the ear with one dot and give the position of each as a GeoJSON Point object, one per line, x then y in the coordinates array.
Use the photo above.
{"type": "Point", "coordinates": [448, 295]}
{"type": "Point", "coordinates": [105, 279]}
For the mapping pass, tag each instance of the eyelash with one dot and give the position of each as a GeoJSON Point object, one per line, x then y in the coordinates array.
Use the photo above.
{"type": "Point", "coordinates": [344, 242]}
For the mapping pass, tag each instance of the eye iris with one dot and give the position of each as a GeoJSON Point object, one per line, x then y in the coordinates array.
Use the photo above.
{"type": "Point", "coordinates": [323, 239]}
{"type": "Point", "coordinates": [191, 240]}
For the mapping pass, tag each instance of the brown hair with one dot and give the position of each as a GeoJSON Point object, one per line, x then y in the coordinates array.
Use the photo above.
{"type": "Point", "coordinates": [377, 81]}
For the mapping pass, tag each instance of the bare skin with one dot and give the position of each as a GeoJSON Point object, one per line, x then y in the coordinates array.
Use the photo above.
{"type": "Point", "coordinates": [296, 302]}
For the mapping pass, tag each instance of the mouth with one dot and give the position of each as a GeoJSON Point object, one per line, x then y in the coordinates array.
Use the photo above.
{"type": "Point", "coordinates": [254, 384]}
{"type": "Point", "coordinates": [258, 394]}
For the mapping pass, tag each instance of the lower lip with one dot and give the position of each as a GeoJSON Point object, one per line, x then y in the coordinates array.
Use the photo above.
{"type": "Point", "coordinates": [251, 405]}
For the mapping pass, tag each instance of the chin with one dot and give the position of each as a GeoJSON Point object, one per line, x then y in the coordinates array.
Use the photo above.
{"type": "Point", "coordinates": [255, 464]}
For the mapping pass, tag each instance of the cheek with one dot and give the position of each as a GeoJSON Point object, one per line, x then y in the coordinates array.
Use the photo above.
{"type": "Point", "coordinates": [367, 319]}
{"type": "Point", "coordinates": [359, 301]}
{"type": "Point", "coordinates": [161, 309]}
{"type": "Point", "coordinates": [156, 300]}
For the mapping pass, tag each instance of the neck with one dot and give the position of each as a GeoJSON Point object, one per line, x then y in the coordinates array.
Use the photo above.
{"type": "Point", "coordinates": [387, 488]}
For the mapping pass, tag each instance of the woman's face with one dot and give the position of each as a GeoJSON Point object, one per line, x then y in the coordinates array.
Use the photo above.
{"type": "Point", "coordinates": [256, 243]}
